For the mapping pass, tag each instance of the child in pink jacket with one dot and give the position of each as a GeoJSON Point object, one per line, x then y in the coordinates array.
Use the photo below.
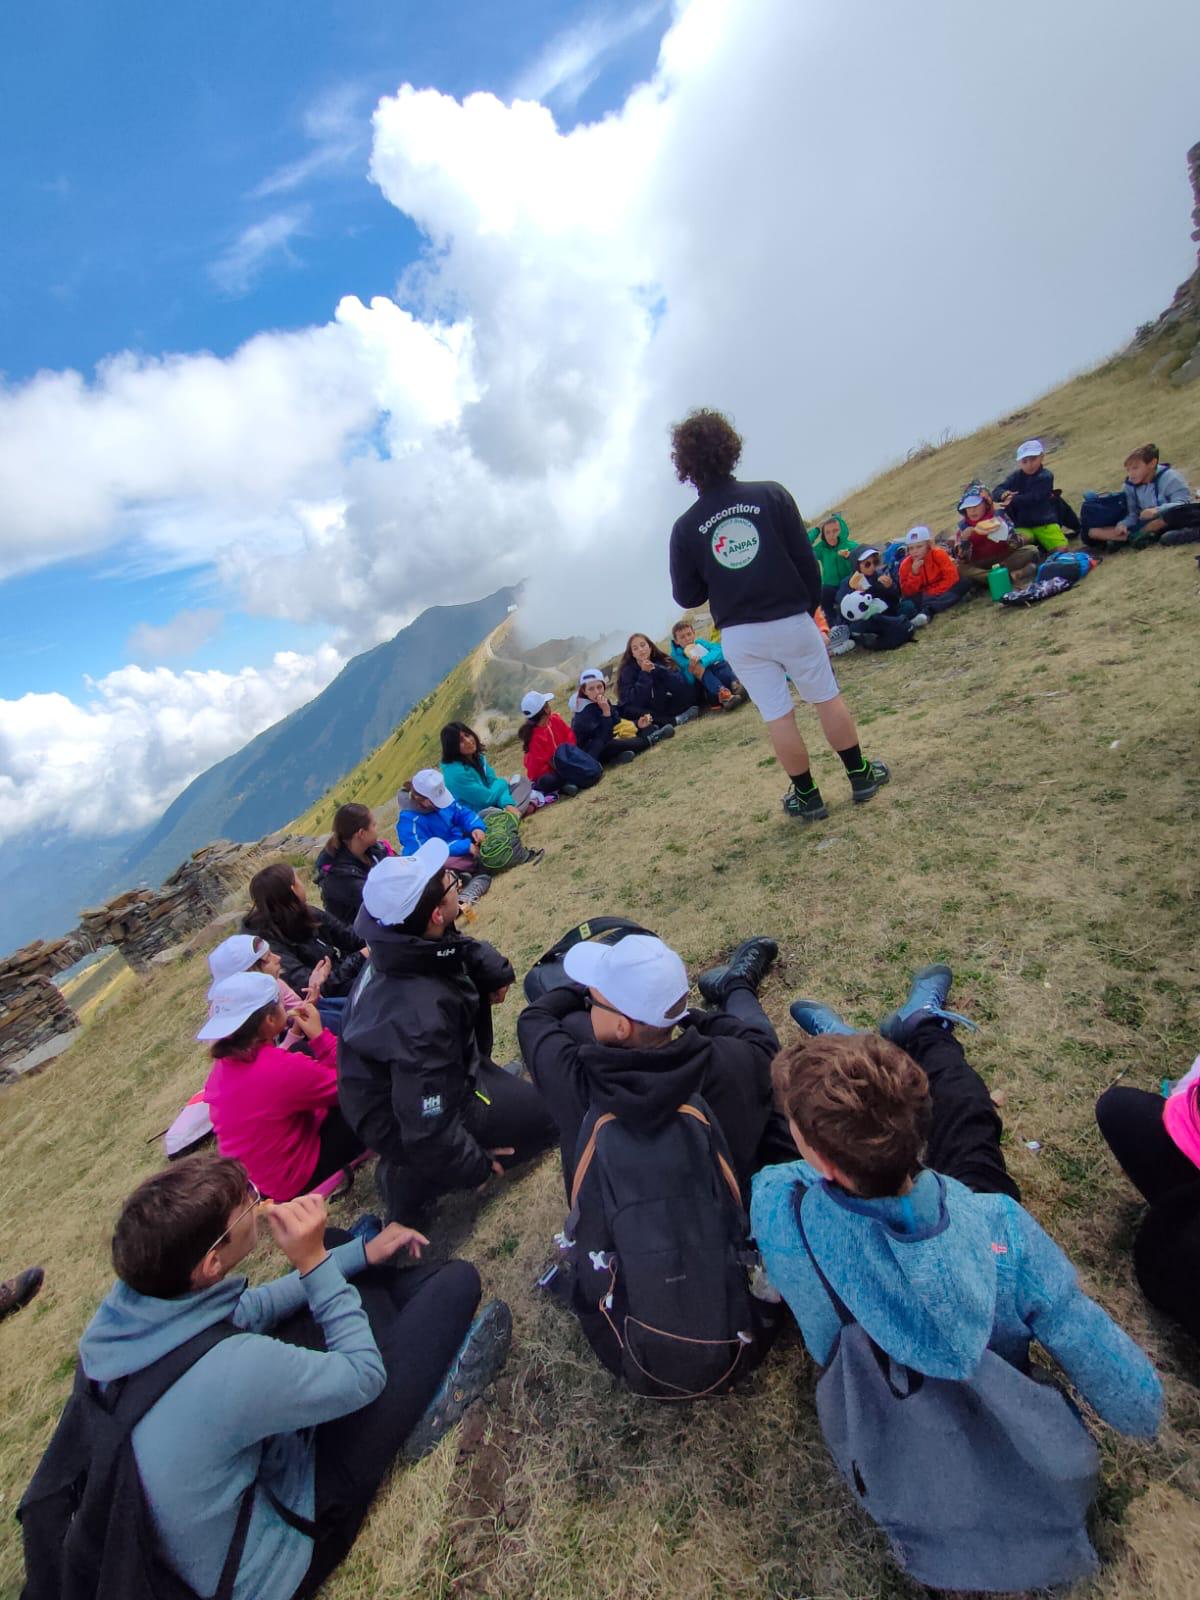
{"type": "Point", "coordinates": [273, 1110]}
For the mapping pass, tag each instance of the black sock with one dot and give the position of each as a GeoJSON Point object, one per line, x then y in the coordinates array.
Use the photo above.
{"type": "Point", "coordinates": [852, 758]}
{"type": "Point", "coordinates": [803, 782]}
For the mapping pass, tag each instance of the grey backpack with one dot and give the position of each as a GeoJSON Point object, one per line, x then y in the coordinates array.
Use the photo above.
{"type": "Point", "coordinates": [979, 1483]}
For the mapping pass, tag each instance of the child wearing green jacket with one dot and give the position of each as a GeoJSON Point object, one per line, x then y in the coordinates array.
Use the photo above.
{"type": "Point", "coordinates": [835, 552]}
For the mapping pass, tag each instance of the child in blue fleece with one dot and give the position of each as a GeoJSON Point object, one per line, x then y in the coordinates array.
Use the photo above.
{"type": "Point", "coordinates": [434, 813]}
{"type": "Point", "coordinates": [934, 1271]}
{"type": "Point", "coordinates": [265, 1406]}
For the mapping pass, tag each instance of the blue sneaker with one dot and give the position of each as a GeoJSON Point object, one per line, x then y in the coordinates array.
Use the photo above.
{"type": "Point", "coordinates": [366, 1227]}
{"type": "Point", "coordinates": [927, 994]}
{"type": "Point", "coordinates": [816, 1019]}
{"type": "Point", "coordinates": [480, 1360]}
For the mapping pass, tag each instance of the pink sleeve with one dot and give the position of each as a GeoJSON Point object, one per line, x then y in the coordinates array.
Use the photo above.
{"type": "Point", "coordinates": [288, 995]}
{"type": "Point", "coordinates": [303, 1083]}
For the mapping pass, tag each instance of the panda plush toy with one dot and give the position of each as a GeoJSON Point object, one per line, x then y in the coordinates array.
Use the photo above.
{"type": "Point", "coordinates": [859, 606]}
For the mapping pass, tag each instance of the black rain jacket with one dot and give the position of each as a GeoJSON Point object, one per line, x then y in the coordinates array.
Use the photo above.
{"type": "Point", "coordinates": [417, 1027]}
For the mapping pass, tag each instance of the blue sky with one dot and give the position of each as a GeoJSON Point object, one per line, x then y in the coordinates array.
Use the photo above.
{"type": "Point", "coordinates": [141, 146]}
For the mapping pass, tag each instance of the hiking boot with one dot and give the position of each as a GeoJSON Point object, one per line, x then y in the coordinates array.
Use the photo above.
{"type": "Point", "coordinates": [625, 757]}
{"type": "Point", "coordinates": [816, 1019]}
{"type": "Point", "coordinates": [366, 1227]}
{"type": "Point", "coordinates": [926, 1001]}
{"type": "Point", "coordinates": [19, 1291]}
{"type": "Point", "coordinates": [475, 889]}
{"type": "Point", "coordinates": [533, 857]}
{"type": "Point", "coordinates": [805, 807]}
{"type": "Point", "coordinates": [840, 642]}
{"type": "Point", "coordinates": [568, 791]}
{"type": "Point", "coordinates": [689, 715]}
{"type": "Point", "coordinates": [479, 1361]}
{"type": "Point", "coordinates": [921, 620]}
{"type": "Point", "coordinates": [749, 963]}
{"type": "Point", "coordinates": [866, 783]}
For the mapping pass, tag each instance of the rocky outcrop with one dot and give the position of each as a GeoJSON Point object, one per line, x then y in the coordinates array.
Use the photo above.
{"type": "Point", "coordinates": [143, 924]}
{"type": "Point", "coordinates": [1179, 324]}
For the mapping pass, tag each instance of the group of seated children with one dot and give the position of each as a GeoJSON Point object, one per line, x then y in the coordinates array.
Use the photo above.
{"type": "Point", "coordinates": [1015, 526]}
{"type": "Point", "coordinates": [899, 1223]}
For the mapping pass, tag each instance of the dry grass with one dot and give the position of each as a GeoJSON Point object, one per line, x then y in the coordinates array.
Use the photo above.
{"type": "Point", "coordinates": [1038, 834]}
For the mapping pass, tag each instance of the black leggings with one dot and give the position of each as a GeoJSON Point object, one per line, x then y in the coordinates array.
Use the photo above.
{"type": "Point", "coordinates": [339, 1146]}
{"type": "Point", "coordinates": [1131, 1121]}
{"type": "Point", "coordinates": [964, 1139]}
{"type": "Point", "coordinates": [420, 1317]}
{"type": "Point", "coordinates": [615, 747]}
{"type": "Point", "coordinates": [515, 1115]}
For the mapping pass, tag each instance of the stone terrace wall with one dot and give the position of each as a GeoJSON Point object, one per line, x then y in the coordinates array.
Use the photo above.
{"type": "Point", "coordinates": [141, 923]}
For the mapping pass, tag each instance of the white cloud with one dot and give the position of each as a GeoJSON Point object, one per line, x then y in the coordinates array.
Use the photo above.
{"type": "Point", "coordinates": [180, 635]}
{"type": "Point", "coordinates": [239, 266]}
{"type": "Point", "coordinates": [826, 218]}
{"type": "Point", "coordinates": [336, 129]}
{"type": "Point", "coordinates": [572, 61]}
{"type": "Point", "coordinates": [117, 761]}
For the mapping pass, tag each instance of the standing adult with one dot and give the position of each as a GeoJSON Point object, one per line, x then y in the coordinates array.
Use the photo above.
{"type": "Point", "coordinates": [743, 549]}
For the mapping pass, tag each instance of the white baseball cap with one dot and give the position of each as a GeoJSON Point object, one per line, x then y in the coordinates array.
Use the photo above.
{"type": "Point", "coordinates": [918, 535]}
{"type": "Point", "coordinates": [395, 884]}
{"type": "Point", "coordinates": [534, 702]}
{"type": "Point", "coordinates": [238, 953]}
{"type": "Point", "coordinates": [1031, 447]}
{"type": "Point", "coordinates": [862, 554]}
{"type": "Point", "coordinates": [972, 499]}
{"type": "Point", "coordinates": [235, 999]}
{"type": "Point", "coordinates": [430, 785]}
{"type": "Point", "coordinates": [644, 978]}
{"type": "Point", "coordinates": [591, 675]}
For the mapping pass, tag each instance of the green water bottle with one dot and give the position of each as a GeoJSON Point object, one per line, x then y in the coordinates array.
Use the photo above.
{"type": "Point", "coordinates": [999, 581]}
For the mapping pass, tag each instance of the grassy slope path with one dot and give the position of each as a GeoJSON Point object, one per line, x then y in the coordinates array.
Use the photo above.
{"type": "Point", "coordinates": [1039, 834]}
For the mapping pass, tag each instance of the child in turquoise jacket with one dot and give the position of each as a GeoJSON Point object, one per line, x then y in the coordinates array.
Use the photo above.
{"type": "Point", "coordinates": [933, 1271]}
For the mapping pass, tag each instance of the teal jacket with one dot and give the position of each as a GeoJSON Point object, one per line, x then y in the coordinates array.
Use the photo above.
{"type": "Point", "coordinates": [246, 1410]}
{"type": "Point", "coordinates": [712, 655]}
{"type": "Point", "coordinates": [467, 787]}
{"type": "Point", "coordinates": [938, 1276]}
{"type": "Point", "coordinates": [835, 561]}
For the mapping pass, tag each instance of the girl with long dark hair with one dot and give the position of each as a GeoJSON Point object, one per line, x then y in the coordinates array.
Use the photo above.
{"type": "Point", "coordinates": [300, 935]}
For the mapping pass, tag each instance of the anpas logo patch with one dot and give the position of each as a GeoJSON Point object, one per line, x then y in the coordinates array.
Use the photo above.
{"type": "Point", "coordinates": [735, 542]}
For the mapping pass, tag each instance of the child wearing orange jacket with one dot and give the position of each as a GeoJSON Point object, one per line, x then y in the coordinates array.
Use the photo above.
{"type": "Point", "coordinates": [928, 575]}
{"type": "Point", "coordinates": [553, 761]}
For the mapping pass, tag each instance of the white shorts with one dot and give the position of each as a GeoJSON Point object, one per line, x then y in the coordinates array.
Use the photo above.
{"type": "Point", "coordinates": [764, 655]}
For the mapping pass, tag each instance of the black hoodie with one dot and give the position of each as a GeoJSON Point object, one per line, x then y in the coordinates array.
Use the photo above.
{"type": "Point", "coordinates": [416, 1028]}
{"type": "Point", "coordinates": [341, 875]}
{"type": "Point", "coordinates": [743, 548]}
{"type": "Point", "coordinates": [329, 939]}
{"type": "Point", "coordinates": [716, 1055]}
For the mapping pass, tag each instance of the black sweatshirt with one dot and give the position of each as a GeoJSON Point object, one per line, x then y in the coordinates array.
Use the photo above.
{"type": "Point", "coordinates": [743, 548]}
{"type": "Point", "coordinates": [715, 1055]}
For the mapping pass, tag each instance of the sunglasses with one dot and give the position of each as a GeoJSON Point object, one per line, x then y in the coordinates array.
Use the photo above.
{"type": "Point", "coordinates": [256, 1199]}
{"type": "Point", "coordinates": [592, 1004]}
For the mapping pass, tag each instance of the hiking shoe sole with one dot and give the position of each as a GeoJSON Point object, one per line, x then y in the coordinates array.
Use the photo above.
{"type": "Point", "coordinates": [480, 1361]}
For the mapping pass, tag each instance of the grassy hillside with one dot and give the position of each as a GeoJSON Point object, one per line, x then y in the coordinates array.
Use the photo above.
{"type": "Point", "coordinates": [1038, 834]}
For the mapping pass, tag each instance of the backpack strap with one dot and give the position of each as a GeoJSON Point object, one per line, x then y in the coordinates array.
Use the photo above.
{"type": "Point", "coordinates": [137, 1394]}
{"type": "Point", "coordinates": [585, 1159]}
{"type": "Point", "coordinates": [727, 1171]}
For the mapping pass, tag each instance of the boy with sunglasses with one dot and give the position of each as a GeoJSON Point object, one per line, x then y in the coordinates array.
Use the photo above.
{"type": "Point", "coordinates": [416, 1080]}
{"type": "Point", "coordinates": [314, 1389]}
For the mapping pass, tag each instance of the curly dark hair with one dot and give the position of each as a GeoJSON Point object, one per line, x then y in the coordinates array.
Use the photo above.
{"type": "Point", "coordinates": [705, 448]}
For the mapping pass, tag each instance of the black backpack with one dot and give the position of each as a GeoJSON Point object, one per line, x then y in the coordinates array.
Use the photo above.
{"type": "Point", "coordinates": [87, 1530]}
{"type": "Point", "coordinates": [661, 1255]}
{"type": "Point", "coordinates": [547, 971]}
